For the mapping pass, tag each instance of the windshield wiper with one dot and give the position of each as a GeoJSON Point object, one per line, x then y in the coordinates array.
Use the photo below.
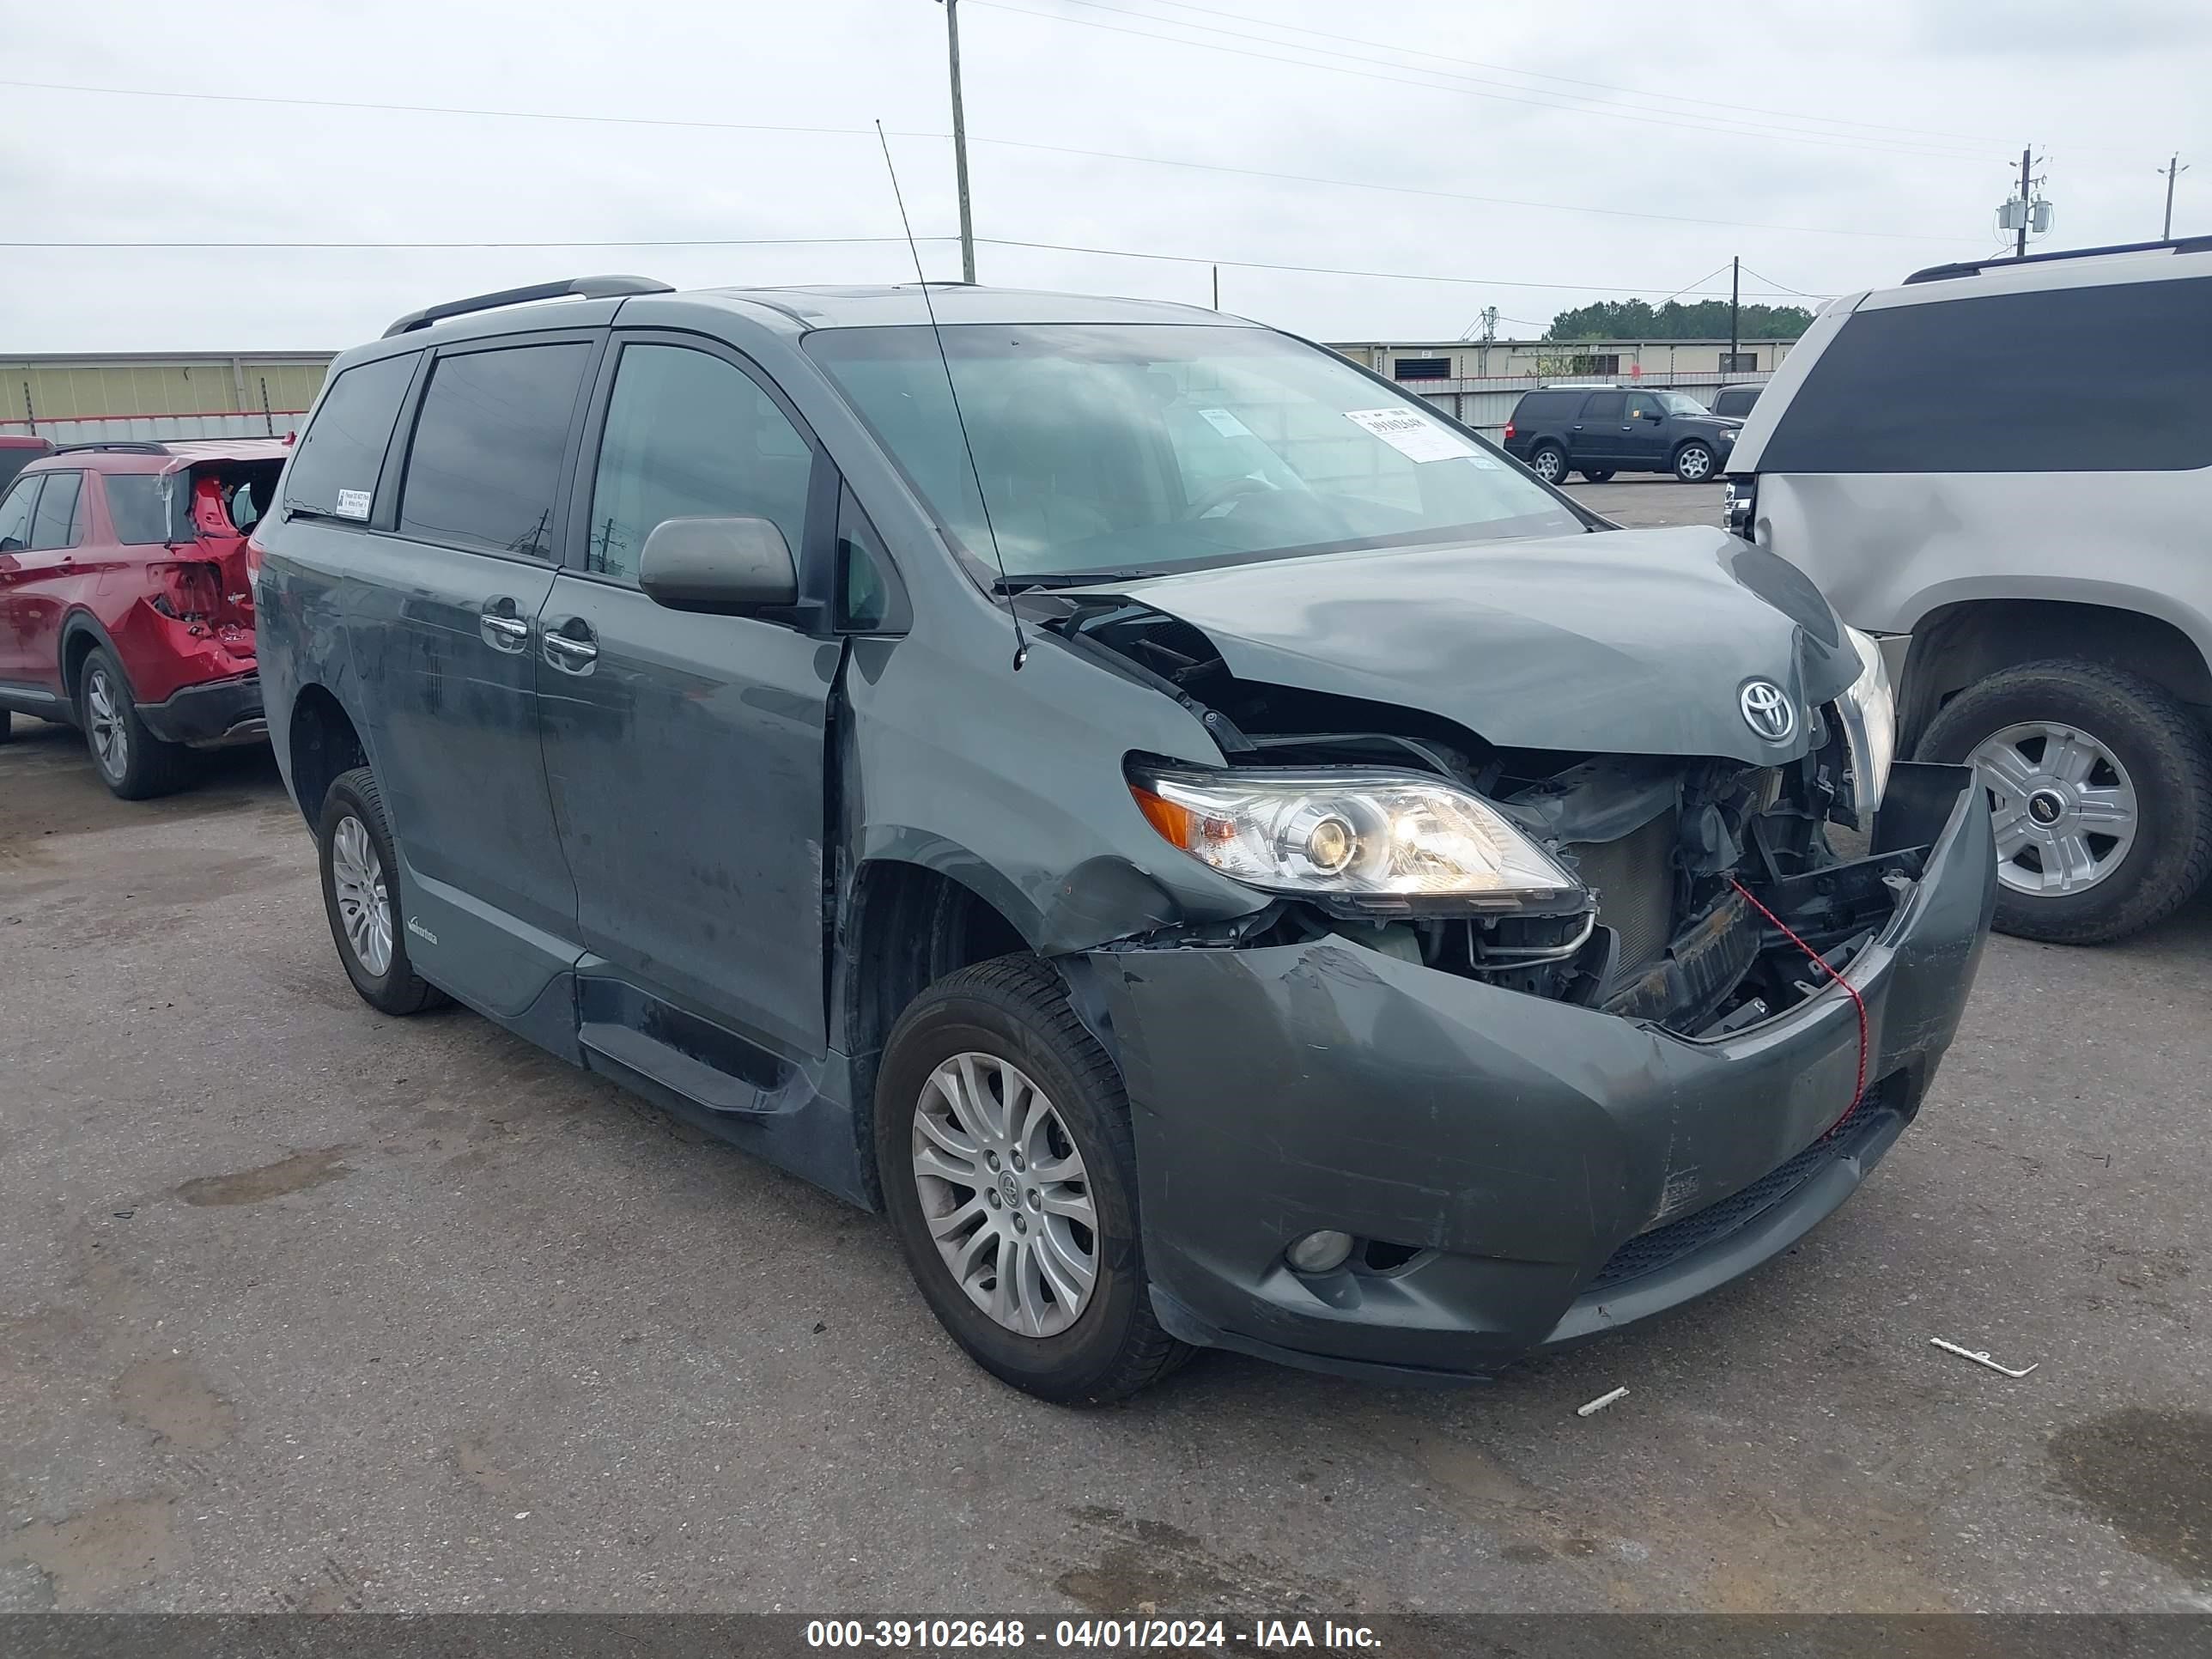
{"type": "Point", "coordinates": [1054, 578]}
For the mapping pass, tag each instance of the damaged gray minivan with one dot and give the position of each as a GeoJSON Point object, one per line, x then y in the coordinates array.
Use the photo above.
{"type": "Point", "coordinates": [1219, 854]}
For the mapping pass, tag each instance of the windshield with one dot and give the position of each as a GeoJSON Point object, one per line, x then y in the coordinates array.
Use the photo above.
{"type": "Point", "coordinates": [1680, 403]}
{"type": "Point", "coordinates": [1107, 450]}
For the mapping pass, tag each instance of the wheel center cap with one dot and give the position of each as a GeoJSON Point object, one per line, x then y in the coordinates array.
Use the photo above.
{"type": "Point", "coordinates": [1009, 1189]}
{"type": "Point", "coordinates": [2046, 806]}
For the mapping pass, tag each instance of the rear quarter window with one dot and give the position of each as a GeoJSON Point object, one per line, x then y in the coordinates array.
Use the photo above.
{"type": "Point", "coordinates": [342, 448]}
{"type": "Point", "coordinates": [137, 507]}
{"type": "Point", "coordinates": [1546, 406]}
{"type": "Point", "coordinates": [2110, 379]}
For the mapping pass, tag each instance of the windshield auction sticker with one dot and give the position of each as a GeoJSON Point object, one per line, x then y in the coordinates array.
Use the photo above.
{"type": "Point", "coordinates": [1412, 436]}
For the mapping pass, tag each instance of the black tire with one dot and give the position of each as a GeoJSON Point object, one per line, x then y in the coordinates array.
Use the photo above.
{"type": "Point", "coordinates": [1694, 462]}
{"type": "Point", "coordinates": [1551, 457]}
{"type": "Point", "coordinates": [399, 990]}
{"type": "Point", "coordinates": [134, 763]}
{"type": "Point", "coordinates": [1598, 475]}
{"type": "Point", "coordinates": [1014, 1008]}
{"type": "Point", "coordinates": [2168, 760]}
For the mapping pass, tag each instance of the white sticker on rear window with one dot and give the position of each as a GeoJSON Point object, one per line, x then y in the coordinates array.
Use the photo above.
{"type": "Point", "coordinates": [1225, 422]}
{"type": "Point", "coordinates": [352, 504]}
{"type": "Point", "coordinates": [1412, 435]}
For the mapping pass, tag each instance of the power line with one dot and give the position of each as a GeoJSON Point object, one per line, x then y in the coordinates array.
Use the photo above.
{"type": "Point", "coordinates": [1804, 294]}
{"type": "Point", "coordinates": [1568, 80]}
{"type": "Point", "coordinates": [1003, 144]}
{"type": "Point", "coordinates": [1646, 116]}
{"type": "Point", "coordinates": [832, 242]}
{"type": "Point", "coordinates": [1338, 271]}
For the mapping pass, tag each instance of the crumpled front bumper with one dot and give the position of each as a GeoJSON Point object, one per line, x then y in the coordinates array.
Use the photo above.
{"type": "Point", "coordinates": [1558, 1171]}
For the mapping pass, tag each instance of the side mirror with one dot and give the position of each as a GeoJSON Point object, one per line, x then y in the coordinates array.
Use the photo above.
{"type": "Point", "coordinates": [724, 567]}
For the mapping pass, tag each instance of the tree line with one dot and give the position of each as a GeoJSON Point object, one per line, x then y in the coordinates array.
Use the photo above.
{"type": "Point", "coordinates": [1708, 320]}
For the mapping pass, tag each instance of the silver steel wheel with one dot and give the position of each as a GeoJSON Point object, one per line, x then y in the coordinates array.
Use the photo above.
{"type": "Point", "coordinates": [1549, 464]}
{"type": "Point", "coordinates": [2062, 807]}
{"type": "Point", "coordinates": [111, 738]}
{"type": "Point", "coordinates": [1691, 465]}
{"type": "Point", "coordinates": [364, 906]}
{"type": "Point", "coordinates": [1005, 1195]}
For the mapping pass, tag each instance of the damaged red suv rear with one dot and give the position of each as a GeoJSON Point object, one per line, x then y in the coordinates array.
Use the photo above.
{"type": "Point", "coordinates": [126, 609]}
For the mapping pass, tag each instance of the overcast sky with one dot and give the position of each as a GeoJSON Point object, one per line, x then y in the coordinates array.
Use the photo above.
{"type": "Point", "coordinates": [1898, 122]}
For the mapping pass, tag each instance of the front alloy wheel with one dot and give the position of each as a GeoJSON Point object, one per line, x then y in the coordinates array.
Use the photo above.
{"type": "Point", "coordinates": [1008, 1168]}
{"type": "Point", "coordinates": [1694, 463]}
{"type": "Point", "coordinates": [1006, 1195]}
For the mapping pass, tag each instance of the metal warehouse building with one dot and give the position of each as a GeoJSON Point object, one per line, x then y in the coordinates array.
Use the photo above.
{"type": "Point", "coordinates": [89, 397]}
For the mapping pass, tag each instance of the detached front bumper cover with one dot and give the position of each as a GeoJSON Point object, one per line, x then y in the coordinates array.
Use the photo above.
{"type": "Point", "coordinates": [1548, 1172]}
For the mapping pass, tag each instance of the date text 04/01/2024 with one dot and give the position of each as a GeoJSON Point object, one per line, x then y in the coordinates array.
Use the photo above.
{"type": "Point", "coordinates": [1080, 1635]}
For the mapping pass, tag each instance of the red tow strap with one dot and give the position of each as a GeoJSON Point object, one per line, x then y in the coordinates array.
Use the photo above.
{"type": "Point", "coordinates": [1849, 990]}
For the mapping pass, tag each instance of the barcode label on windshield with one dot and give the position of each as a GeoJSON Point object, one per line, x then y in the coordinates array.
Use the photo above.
{"type": "Point", "coordinates": [1412, 435]}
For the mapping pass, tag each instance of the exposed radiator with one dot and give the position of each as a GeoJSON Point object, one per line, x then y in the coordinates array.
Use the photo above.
{"type": "Point", "coordinates": [1634, 880]}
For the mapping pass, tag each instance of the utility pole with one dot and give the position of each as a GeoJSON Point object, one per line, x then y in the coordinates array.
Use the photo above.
{"type": "Point", "coordinates": [960, 142]}
{"type": "Point", "coordinates": [2172, 170]}
{"type": "Point", "coordinates": [1735, 307]}
{"type": "Point", "coordinates": [2020, 245]}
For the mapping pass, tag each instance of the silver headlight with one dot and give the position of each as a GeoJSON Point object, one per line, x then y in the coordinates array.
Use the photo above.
{"type": "Point", "coordinates": [1375, 836]}
{"type": "Point", "coordinates": [1869, 713]}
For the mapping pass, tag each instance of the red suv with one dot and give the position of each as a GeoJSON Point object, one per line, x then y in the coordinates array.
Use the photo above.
{"type": "Point", "coordinates": [126, 609]}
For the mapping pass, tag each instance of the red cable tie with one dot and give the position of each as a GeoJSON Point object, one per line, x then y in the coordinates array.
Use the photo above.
{"type": "Point", "coordinates": [1849, 990]}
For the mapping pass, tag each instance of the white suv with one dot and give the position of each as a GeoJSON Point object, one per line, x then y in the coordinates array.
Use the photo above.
{"type": "Point", "coordinates": [2005, 469]}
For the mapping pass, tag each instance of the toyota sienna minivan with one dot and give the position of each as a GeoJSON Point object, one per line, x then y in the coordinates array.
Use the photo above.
{"type": "Point", "coordinates": [1216, 851]}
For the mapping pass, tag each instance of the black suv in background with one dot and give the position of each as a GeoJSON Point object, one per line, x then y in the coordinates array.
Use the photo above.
{"type": "Point", "coordinates": [1735, 403]}
{"type": "Point", "coordinates": [1600, 430]}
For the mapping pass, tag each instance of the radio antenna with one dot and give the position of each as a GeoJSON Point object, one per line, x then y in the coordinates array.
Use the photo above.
{"type": "Point", "coordinates": [936, 333]}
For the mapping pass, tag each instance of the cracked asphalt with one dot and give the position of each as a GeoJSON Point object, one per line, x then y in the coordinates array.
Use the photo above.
{"type": "Point", "coordinates": [305, 1308]}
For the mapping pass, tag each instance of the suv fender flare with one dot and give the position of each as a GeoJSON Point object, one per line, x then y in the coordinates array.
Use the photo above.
{"type": "Point", "coordinates": [81, 624]}
{"type": "Point", "coordinates": [2193, 626]}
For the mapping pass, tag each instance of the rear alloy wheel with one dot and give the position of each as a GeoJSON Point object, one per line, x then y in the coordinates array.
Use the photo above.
{"type": "Point", "coordinates": [1009, 1171]}
{"type": "Point", "coordinates": [2099, 786]}
{"type": "Point", "coordinates": [1549, 462]}
{"type": "Point", "coordinates": [361, 896]}
{"type": "Point", "coordinates": [1694, 463]}
{"type": "Point", "coordinates": [134, 763]}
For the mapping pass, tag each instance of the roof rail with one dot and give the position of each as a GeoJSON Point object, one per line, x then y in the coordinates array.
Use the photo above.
{"type": "Point", "coordinates": [118, 447]}
{"type": "Point", "coordinates": [1975, 267]}
{"type": "Point", "coordinates": [583, 288]}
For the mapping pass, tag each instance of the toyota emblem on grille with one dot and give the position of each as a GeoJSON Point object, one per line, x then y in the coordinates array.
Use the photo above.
{"type": "Point", "coordinates": [1767, 710]}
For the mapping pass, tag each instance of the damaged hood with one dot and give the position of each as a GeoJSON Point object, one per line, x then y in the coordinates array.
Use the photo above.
{"type": "Point", "coordinates": [1633, 641]}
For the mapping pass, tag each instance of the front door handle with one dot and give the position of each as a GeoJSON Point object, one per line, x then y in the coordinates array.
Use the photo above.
{"type": "Point", "coordinates": [569, 645]}
{"type": "Point", "coordinates": [503, 627]}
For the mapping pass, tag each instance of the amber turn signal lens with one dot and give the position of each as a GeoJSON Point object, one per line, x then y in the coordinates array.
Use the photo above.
{"type": "Point", "coordinates": [1176, 824]}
